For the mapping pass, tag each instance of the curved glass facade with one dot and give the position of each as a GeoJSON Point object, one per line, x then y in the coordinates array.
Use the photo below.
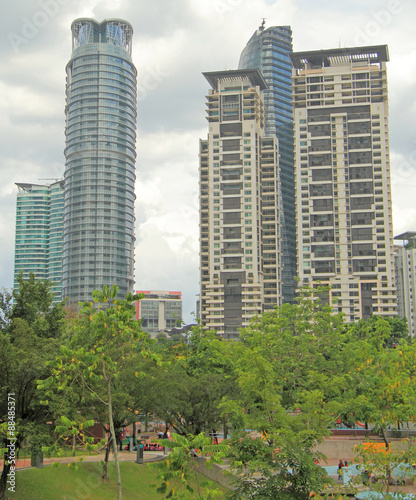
{"type": "Point", "coordinates": [100, 157]}
{"type": "Point", "coordinates": [268, 50]}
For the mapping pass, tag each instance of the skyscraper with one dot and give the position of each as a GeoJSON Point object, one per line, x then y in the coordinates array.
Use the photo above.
{"type": "Point", "coordinates": [342, 171]}
{"type": "Point", "coordinates": [38, 240]}
{"type": "Point", "coordinates": [100, 159]}
{"type": "Point", "coordinates": [239, 205]}
{"type": "Point", "coordinates": [269, 50]}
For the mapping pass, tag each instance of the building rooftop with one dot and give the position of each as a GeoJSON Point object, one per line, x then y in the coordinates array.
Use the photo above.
{"type": "Point", "coordinates": [408, 235]}
{"type": "Point", "coordinates": [331, 57]}
{"type": "Point", "coordinates": [253, 74]}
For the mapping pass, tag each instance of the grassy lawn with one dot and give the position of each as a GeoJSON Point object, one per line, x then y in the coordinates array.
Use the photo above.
{"type": "Point", "coordinates": [62, 483]}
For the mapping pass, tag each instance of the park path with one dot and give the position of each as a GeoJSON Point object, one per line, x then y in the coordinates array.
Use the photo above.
{"type": "Point", "coordinates": [124, 456]}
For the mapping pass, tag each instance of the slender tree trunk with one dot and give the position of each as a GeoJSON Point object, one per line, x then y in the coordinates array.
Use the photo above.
{"type": "Point", "coordinates": [383, 430]}
{"type": "Point", "coordinates": [113, 434]}
{"type": "Point", "coordinates": [104, 476]}
{"type": "Point", "coordinates": [225, 429]}
{"type": "Point", "coordinates": [3, 478]}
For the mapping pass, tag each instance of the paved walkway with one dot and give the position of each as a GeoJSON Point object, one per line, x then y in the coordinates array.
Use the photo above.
{"type": "Point", "coordinates": [124, 456]}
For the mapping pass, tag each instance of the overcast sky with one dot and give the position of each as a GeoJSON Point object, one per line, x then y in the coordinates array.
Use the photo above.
{"type": "Point", "coordinates": [173, 43]}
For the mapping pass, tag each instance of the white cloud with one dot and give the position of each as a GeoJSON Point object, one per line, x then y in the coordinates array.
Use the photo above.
{"type": "Point", "coordinates": [173, 43]}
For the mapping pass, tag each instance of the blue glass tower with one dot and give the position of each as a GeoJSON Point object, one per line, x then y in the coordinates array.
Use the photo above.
{"type": "Point", "coordinates": [268, 50]}
{"type": "Point", "coordinates": [100, 153]}
{"type": "Point", "coordinates": [38, 241]}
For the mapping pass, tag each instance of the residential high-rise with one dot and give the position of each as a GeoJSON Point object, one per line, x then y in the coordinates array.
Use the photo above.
{"type": "Point", "coordinates": [405, 266]}
{"type": "Point", "coordinates": [269, 50]}
{"type": "Point", "coordinates": [239, 205]}
{"type": "Point", "coordinates": [342, 175]}
{"type": "Point", "coordinates": [159, 310]}
{"type": "Point", "coordinates": [100, 159]}
{"type": "Point", "coordinates": [38, 240]}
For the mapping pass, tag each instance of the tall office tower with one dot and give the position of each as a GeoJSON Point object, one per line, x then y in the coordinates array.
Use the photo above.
{"type": "Point", "coordinates": [342, 174]}
{"type": "Point", "coordinates": [269, 50]}
{"type": "Point", "coordinates": [405, 265]}
{"type": "Point", "coordinates": [239, 205]}
{"type": "Point", "coordinates": [100, 159]}
{"type": "Point", "coordinates": [38, 241]}
{"type": "Point", "coordinates": [159, 310]}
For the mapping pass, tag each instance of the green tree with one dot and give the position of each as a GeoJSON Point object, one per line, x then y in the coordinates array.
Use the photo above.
{"type": "Point", "coordinates": [387, 468]}
{"type": "Point", "coordinates": [27, 343]}
{"type": "Point", "coordinates": [96, 351]}
{"type": "Point", "coordinates": [291, 376]}
{"type": "Point", "coordinates": [5, 308]}
{"type": "Point", "coordinates": [32, 302]}
{"type": "Point", "coordinates": [179, 473]}
{"type": "Point", "coordinates": [194, 376]}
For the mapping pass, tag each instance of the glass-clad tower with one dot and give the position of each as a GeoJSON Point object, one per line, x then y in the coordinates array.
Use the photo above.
{"type": "Point", "coordinates": [38, 240]}
{"type": "Point", "coordinates": [100, 159]}
{"type": "Point", "coordinates": [268, 50]}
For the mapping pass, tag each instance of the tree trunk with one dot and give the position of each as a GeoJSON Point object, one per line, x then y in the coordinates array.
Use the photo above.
{"type": "Point", "coordinates": [104, 476]}
{"type": "Point", "coordinates": [3, 478]}
{"type": "Point", "coordinates": [113, 440]}
{"type": "Point", "coordinates": [225, 429]}
{"type": "Point", "coordinates": [383, 430]}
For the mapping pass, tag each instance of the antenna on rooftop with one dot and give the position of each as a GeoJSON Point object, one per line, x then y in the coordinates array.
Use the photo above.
{"type": "Point", "coordinates": [263, 24]}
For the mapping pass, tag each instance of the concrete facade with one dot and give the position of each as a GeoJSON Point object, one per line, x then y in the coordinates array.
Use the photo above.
{"type": "Point", "coordinates": [342, 178]}
{"type": "Point", "coordinates": [159, 310]}
{"type": "Point", "coordinates": [240, 262]}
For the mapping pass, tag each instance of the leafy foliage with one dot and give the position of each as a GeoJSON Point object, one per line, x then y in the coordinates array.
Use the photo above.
{"type": "Point", "coordinates": [99, 344]}
{"type": "Point", "coordinates": [28, 332]}
{"type": "Point", "coordinates": [180, 471]}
